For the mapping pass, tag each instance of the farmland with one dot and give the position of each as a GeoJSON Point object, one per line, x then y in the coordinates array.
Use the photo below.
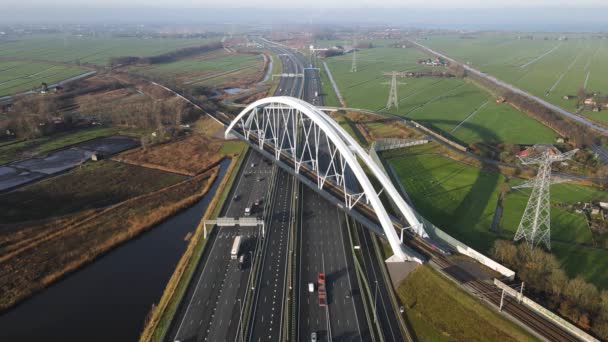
{"type": "Point", "coordinates": [216, 68]}
{"type": "Point", "coordinates": [550, 69]}
{"type": "Point", "coordinates": [462, 199]}
{"type": "Point", "coordinates": [19, 76]}
{"type": "Point", "coordinates": [453, 106]}
{"type": "Point", "coordinates": [94, 185]}
{"type": "Point", "coordinates": [94, 50]}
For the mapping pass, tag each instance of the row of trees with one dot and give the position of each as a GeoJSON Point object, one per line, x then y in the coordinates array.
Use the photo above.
{"type": "Point", "coordinates": [575, 299]}
{"type": "Point", "coordinates": [165, 57]}
{"type": "Point", "coordinates": [576, 132]}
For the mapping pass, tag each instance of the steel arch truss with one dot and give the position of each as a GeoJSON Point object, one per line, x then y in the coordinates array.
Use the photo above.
{"type": "Point", "coordinates": [299, 132]}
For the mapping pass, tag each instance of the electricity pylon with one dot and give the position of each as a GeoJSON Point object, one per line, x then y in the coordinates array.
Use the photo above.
{"type": "Point", "coordinates": [535, 225]}
{"type": "Point", "coordinates": [393, 99]}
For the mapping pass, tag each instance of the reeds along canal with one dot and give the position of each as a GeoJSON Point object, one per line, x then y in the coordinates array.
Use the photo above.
{"type": "Point", "coordinates": [109, 299]}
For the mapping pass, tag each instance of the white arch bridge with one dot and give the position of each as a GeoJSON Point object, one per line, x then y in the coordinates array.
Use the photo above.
{"type": "Point", "coordinates": [308, 143]}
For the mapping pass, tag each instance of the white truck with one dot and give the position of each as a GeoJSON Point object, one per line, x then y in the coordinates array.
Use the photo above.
{"type": "Point", "coordinates": [236, 246]}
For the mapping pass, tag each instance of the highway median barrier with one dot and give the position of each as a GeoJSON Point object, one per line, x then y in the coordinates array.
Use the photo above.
{"type": "Point", "coordinates": [366, 294]}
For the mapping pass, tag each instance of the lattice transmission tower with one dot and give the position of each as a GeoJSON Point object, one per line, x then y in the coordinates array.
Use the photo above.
{"type": "Point", "coordinates": [393, 99]}
{"type": "Point", "coordinates": [535, 224]}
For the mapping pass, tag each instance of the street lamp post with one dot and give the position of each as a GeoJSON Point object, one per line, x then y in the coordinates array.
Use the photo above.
{"type": "Point", "coordinates": [240, 328]}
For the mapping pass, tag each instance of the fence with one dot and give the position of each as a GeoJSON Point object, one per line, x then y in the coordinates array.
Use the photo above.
{"type": "Point", "coordinates": [439, 136]}
{"type": "Point", "coordinates": [395, 143]}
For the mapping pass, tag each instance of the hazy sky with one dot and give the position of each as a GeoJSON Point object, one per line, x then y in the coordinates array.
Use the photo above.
{"type": "Point", "coordinates": [7, 4]}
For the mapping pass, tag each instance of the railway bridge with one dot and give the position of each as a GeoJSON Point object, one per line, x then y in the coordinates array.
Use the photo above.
{"type": "Point", "coordinates": [308, 143]}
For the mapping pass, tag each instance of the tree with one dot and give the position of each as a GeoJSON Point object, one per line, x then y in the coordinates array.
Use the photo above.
{"type": "Point", "coordinates": [557, 282]}
{"type": "Point", "coordinates": [505, 252]}
{"type": "Point", "coordinates": [582, 95]}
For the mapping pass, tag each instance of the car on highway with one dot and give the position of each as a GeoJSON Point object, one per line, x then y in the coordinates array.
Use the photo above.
{"type": "Point", "coordinates": [247, 211]}
{"type": "Point", "coordinates": [260, 179]}
{"type": "Point", "coordinates": [236, 197]}
{"type": "Point", "coordinates": [242, 261]}
{"type": "Point", "coordinates": [313, 337]}
{"type": "Point", "coordinates": [311, 287]}
{"type": "Point", "coordinates": [257, 202]}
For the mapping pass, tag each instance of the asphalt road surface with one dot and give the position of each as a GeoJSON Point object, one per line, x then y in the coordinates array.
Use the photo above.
{"type": "Point", "coordinates": [268, 302]}
{"type": "Point", "coordinates": [324, 246]}
{"type": "Point", "coordinates": [210, 310]}
{"type": "Point", "coordinates": [385, 314]}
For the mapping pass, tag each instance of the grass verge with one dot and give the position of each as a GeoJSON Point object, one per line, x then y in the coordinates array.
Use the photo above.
{"type": "Point", "coordinates": [439, 311]}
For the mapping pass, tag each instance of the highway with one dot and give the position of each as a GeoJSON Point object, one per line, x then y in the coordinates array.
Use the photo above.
{"type": "Point", "coordinates": [210, 309]}
{"type": "Point", "coordinates": [270, 298]}
{"type": "Point", "coordinates": [215, 299]}
{"type": "Point", "coordinates": [385, 314]}
{"type": "Point", "coordinates": [324, 247]}
{"type": "Point", "coordinates": [268, 303]}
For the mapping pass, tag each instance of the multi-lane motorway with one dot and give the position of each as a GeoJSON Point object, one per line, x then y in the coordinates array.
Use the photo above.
{"type": "Point", "coordinates": [221, 294]}
{"type": "Point", "coordinates": [211, 310]}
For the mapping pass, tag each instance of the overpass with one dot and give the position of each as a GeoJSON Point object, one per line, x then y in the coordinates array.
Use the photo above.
{"type": "Point", "coordinates": [314, 147]}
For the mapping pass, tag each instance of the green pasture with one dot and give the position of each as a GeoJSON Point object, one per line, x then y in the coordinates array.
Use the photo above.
{"type": "Point", "coordinates": [19, 76]}
{"type": "Point", "coordinates": [207, 69]}
{"type": "Point", "coordinates": [462, 199]}
{"type": "Point", "coordinates": [456, 108]}
{"type": "Point", "coordinates": [95, 50]}
{"type": "Point", "coordinates": [550, 69]}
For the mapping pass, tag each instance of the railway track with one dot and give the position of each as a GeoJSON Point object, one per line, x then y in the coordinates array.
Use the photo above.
{"type": "Point", "coordinates": [492, 294]}
{"type": "Point", "coordinates": [489, 292]}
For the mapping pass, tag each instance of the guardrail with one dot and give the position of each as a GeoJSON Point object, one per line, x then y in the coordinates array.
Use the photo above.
{"type": "Point", "coordinates": [391, 293]}
{"type": "Point", "coordinates": [290, 276]}
{"type": "Point", "coordinates": [364, 286]}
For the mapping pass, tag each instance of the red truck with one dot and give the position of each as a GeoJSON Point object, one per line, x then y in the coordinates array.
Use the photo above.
{"type": "Point", "coordinates": [321, 290]}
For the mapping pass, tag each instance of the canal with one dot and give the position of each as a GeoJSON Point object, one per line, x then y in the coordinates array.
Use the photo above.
{"type": "Point", "coordinates": [109, 299]}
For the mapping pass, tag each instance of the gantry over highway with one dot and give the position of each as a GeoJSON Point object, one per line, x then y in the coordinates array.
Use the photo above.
{"type": "Point", "coordinates": [309, 143]}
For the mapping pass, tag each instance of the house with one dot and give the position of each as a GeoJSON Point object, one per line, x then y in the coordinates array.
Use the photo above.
{"type": "Point", "coordinates": [559, 140]}
{"type": "Point", "coordinates": [589, 101]}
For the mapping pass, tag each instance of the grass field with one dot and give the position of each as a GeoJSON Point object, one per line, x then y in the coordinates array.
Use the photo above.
{"type": "Point", "coordinates": [95, 50]}
{"type": "Point", "coordinates": [94, 185]}
{"type": "Point", "coordinates": [209, 69]}
{"type": "Point", "coordinates": [462, 199]}
{"type": "Point", "coordinates": [439, 311]}
{"type": "Point", "coordinates": [547, 68]}
{"type": "Point", "coordinates": [19, 76]}
{"type": "Point", "coordinates": [456, 108]}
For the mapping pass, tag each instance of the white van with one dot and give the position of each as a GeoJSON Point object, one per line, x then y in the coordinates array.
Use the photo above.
{"type": "Point", "coordinates": [311, 287]}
